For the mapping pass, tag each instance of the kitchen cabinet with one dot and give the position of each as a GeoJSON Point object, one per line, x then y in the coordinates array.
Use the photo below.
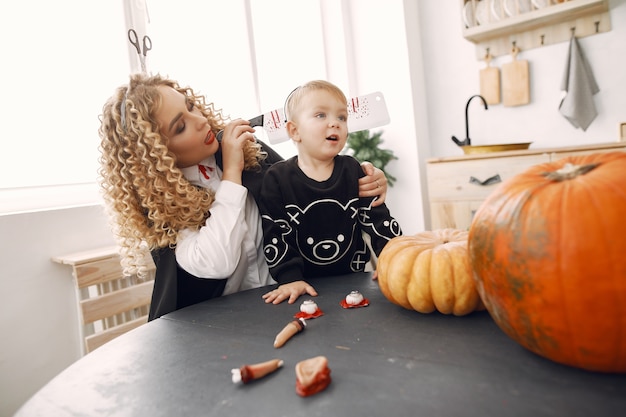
{"type": "Point", "coordinates": [458, 185]}
{"type": "Point", "coordinates": [497, 25]}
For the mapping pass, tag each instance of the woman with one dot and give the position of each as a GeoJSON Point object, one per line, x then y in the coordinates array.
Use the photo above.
{"type": "Point", "coordinates": [172, 189]}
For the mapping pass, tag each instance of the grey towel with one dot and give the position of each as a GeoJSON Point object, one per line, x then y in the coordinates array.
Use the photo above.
{"type": "Point", "coordinates": [578, 81]}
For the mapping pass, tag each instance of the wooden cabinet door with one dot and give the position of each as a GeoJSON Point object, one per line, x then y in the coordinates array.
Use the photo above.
{"type": "Point", "coordinates": [454, 214]}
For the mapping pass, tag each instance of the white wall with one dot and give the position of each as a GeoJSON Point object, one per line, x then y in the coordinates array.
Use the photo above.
{"type": "Point", "coordinates": [452, 70]}
{"type": "Point", "coordinates": [39, 319]}
{"type": "Point", "coordinates": [381, 63]}
{"type": "Point", "coordinates": [426, 89]}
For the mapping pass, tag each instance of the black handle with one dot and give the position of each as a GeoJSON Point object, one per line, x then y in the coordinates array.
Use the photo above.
{"type": "Point", "coordinates": [491, 180]}
{"type": "Point", "coordinates": [461, 143]}
{"type": "Point", "coordinates": [254, 122]}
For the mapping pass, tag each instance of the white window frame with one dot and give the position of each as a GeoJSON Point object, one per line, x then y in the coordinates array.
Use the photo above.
{"type": "Point", "coordinates": [280, 56]}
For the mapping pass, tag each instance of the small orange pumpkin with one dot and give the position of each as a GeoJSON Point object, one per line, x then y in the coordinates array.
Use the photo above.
{"type": "Point", "coordinates": [429, 271]}
{"type": "Point", "coordinates": [548, 250]}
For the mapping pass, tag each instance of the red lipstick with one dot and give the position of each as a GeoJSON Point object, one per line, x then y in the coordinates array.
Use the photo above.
{"type": "Point", "coordinates": [210, 137]}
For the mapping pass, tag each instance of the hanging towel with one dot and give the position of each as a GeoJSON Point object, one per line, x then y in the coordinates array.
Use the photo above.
{"type": "Point", "coordinates": [580, 85]}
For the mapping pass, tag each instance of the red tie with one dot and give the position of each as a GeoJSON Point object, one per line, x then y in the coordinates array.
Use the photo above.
{"type": "Point", "coordinates": [205, 171]}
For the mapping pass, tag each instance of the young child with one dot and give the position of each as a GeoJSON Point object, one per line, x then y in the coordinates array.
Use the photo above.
{"type": "Point", "coordinates": [313, 218]}
{"type": "Point", "coordinates": [170, 186]}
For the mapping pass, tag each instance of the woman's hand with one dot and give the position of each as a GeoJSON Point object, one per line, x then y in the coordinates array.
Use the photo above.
{"type": "Point", "coordinates": [374, 183]}
{"type": "Point", "coordinates": [236, 133]}
{"type": "Point", "coordinates": [289, 292]}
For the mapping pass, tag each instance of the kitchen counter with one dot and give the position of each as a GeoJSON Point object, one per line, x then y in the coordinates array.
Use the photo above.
{"type": "Point", "coordinates": [601, 147]}
{"type": "Point", "coordinates": [457, 185]}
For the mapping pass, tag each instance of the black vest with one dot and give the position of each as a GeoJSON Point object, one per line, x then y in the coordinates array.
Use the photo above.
{"type": "Point", "coordinates": [175, 288]}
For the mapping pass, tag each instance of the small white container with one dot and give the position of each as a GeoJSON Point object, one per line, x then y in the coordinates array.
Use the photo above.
{"type": "Point", "coordinates": [308, 307]}
{"type": "Point", "coordinates": [354, 298]}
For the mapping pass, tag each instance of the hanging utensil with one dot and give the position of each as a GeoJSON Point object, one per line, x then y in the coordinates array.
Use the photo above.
{"type": "Point", "coordinates": [515, 81]}
{"type": "Point", "coordinates": [142, 49]}
{"type": "Point", "coordinates": [490, 82]}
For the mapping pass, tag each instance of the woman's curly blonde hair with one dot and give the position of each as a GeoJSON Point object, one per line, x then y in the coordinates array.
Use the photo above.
{"type": "Point", "coordinates": [146, 195]}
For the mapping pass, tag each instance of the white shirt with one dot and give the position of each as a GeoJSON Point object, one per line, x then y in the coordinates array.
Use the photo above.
{"type": "Point", "coordinates": [230, 244]}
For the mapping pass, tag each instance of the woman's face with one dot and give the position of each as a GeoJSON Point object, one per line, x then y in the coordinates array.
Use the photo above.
{"type": "Point", "coordinates": [189, 134]}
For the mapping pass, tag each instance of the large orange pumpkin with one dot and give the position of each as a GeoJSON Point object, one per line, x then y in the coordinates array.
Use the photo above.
{"type": "Point", "coordinates": [548, 250]}
{"type": "Point", "coordinates": [429, 271]}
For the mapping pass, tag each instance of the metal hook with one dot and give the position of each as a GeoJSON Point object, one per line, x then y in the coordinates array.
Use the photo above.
{"type": "Point", "coordinates": [573, 30]}
{"type": "Point", "coordinates": [542, 38]}
{"type": "Point", "coordinates": [597, 23]}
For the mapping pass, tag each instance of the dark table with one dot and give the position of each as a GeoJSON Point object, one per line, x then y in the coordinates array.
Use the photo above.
{"type": "Point", "coordinates": [384, 361]}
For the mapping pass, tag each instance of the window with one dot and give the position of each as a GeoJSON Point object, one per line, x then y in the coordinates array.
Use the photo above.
{"type": "Point", "coordinates": [63, 59]}
{"type": "Point", "coordinates": [60, 59]}
{"type": "Point", "coordinates": [244, 55]}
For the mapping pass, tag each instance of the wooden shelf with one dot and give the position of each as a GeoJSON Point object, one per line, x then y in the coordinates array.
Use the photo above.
{"type": "Point", "coordinates": [539, 27]}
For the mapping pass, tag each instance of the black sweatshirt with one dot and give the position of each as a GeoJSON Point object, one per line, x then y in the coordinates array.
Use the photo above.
{"type": "Point", "coordinates": [313, 228]}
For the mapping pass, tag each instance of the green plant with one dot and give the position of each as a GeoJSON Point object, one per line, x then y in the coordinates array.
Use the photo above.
{"type": "Point", "coordinates": [366, 147]}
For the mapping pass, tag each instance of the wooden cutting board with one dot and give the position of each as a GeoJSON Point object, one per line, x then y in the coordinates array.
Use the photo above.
{"type": "Point", "coordinates": [515, 82]}
{"type": "Point", "coordinates": [490, 82]}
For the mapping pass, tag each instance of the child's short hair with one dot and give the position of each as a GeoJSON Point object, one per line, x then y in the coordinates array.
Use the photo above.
{"type": "Point", "coordinates": [295, 97]}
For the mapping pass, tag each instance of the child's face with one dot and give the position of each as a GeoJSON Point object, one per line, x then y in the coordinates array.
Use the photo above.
{"type": "Point", "coordinates": [320, 125]}
{"type": "Point", "coordinates": [189, 134]}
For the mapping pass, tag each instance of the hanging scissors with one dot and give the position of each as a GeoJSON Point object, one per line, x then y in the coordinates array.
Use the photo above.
{"type": "Point", "coordinates": [142, 49]}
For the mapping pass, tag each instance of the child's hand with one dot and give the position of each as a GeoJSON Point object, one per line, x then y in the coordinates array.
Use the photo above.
{"type": "Point", "coordinates": [290, 291]}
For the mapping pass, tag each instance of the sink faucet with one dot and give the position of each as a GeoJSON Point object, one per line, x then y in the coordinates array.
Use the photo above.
{"type": "Point", "coordinates": [467, 140]}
